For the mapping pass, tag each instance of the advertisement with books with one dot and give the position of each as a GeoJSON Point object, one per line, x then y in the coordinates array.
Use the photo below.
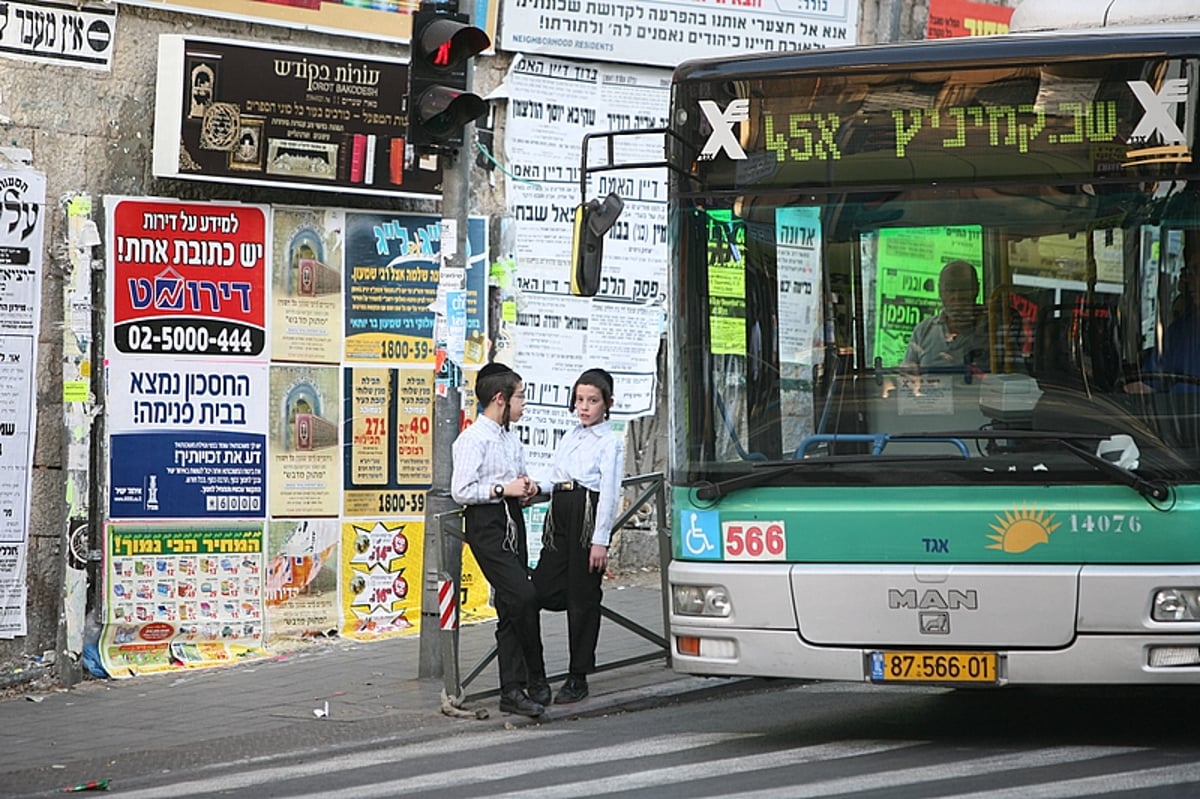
{"type": "Point", "coordinates": [239, 113]}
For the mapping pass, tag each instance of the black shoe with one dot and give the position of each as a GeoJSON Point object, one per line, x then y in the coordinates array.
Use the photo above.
{"type": "Point", "coordinates": [539, 691]}
{"type": "Point", "coordinates": [574, 689]}
{"type": "Point", "coordinates": [516, 701]}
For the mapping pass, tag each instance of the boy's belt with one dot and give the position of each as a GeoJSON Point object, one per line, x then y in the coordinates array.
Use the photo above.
{"type": "Point", "coordinates": [566, 485]}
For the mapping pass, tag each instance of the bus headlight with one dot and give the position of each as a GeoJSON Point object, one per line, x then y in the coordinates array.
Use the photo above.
{"type": "Point", "coordinates": [701, 600]}
{"type": "Point", "coordinates": [1176, 604]}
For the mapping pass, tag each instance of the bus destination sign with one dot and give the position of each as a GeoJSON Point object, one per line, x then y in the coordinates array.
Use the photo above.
{"type": "Point", "coordinates": [1088, 121]}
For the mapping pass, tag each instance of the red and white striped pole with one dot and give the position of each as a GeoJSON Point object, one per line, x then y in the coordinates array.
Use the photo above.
{"type": "Point", "coordinates": [447, 605]}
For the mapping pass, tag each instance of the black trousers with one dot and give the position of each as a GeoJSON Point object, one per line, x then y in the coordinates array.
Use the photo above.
{"type": "Point", "coordinates": [564, 583]}
{"type": "Point", "coordinates": [518, 628]}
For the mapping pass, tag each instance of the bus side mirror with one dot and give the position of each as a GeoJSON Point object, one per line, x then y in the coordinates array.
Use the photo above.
{"type": "Point", "coordinates": [592, 220]}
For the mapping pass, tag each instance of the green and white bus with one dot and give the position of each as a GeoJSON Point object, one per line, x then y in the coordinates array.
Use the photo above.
{"type": "Point", "coordinates": [1023, 512]}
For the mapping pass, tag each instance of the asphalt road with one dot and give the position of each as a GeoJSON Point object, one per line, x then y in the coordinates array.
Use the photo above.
{"type": "Point", "coordinates": [757, 739]}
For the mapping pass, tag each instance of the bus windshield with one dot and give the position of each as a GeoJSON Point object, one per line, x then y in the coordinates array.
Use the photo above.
{"type": "Point", "coordinates": [938, 273]}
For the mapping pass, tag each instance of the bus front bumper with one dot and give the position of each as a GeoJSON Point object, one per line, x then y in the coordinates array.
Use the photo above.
{"type": "Point", "coordinates": [1006, 624]}
{"type": "Point", "coordinates": [1088, 660]}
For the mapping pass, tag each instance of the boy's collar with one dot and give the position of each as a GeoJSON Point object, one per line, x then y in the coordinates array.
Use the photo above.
{"type": "Point", "coordinates": [495, 412]}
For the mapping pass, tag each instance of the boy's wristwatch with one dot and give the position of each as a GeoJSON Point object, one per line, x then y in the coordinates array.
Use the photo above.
{"type": "Point", "coordinates": [497, 490]}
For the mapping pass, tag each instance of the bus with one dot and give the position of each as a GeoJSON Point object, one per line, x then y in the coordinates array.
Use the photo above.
{"type": "Point", "coordinates": [874, 480]}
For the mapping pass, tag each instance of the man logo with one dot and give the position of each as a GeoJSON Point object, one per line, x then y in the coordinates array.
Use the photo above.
{"type": "Point", "coordinates": [1157, 119]}
{"type": "Point", "coordinates": [934, 622]}
{"type": "Point", "coordinates": [722, 122]}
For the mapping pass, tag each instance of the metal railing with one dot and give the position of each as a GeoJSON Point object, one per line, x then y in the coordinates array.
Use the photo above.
{"type": "Point", "coordinates": [449, 525]}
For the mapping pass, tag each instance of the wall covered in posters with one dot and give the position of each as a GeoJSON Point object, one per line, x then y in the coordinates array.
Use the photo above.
{"type": "Point", "coordinates": [268, 468]}
{"type": "Point", "coordinates": [555, 336]}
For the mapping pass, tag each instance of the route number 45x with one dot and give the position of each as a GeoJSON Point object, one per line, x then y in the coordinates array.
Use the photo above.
{"type": "Point", "coordinates": [754, 540]}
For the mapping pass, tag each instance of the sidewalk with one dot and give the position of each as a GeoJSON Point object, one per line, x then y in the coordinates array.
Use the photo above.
{"type": "Point", "coordinates": [172, 720]}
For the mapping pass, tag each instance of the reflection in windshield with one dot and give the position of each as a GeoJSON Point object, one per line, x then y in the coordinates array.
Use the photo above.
{"type": "Point", "coordinates": [833, 320]}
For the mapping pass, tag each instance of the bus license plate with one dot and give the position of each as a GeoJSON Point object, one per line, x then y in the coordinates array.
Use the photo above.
{"type": "Point", "coordinates": [933, 667]}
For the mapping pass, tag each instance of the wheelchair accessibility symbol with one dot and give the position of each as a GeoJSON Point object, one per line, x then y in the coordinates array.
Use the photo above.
{"type": "Point", "coordinates": [702, 535]}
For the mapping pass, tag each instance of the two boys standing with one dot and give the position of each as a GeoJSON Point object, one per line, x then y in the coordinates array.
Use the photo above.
{"type": "Point", "coordinates": [490, 480]}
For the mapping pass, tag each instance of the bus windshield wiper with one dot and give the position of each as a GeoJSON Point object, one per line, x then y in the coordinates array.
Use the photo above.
{"type": "Point", "coordinates": [766, 471]}
{"type": "Point", "coordinates": [1149, 489]}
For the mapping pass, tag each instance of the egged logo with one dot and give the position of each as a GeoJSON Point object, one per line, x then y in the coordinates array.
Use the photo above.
{"type": "Point", "coordinates": [1158, 118]}
{"type": "Point", "coordinates": [1021, 529]}
{"type": "Point", "coordinates": [722, 122]}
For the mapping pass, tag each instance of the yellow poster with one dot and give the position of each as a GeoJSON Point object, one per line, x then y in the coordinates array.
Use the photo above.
{"type": "Point", "coordinates": [381, 578]}
{"type": "Point", "coordinates": [414, 436]}
{"type": "Point", "coordinates": [470, 405]}
{"type": "Point", "coordinates": [370, 395]}
{"type": "Point", "coordinates": [726, 284]}
{"type": "Point", "coordinates": [390, 441]}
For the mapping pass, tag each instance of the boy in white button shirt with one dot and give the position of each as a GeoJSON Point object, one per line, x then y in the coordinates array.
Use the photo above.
{"type": "Point", "coordinates": [489, 479]}
{"type": "Point", "coordinates": [585, 496]}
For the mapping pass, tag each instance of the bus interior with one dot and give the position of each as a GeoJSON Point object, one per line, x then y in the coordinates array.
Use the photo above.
{"type": "Point", "coordinates": [1075, 320]}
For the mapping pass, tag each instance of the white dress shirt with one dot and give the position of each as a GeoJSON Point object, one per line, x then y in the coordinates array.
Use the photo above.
{"type": "Point", "coordinates": [484, 454]}
{"type": "Point", "coordinates": [594, 457]}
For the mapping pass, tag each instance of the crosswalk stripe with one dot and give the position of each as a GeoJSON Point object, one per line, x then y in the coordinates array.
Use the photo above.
{"type": "Point", "coordinates": [711, 768]}
{"type": "Point", "coordinates": [535, 764]}
{"type": "Point", "coordinates": [662, 745]}
{"type": "Point", "coordinates": [1092, 786]}
{"type": "Point", "coordinates": [1011, 761]}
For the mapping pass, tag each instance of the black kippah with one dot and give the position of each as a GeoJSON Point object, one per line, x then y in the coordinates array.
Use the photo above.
{"type": "Point", "coordinates": [598, 375]}
{"type": "Point", "coordinates": [492, 369]}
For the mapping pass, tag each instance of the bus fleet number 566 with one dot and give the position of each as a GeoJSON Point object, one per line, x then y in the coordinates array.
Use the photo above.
{"type": "Point", "coordinates": [754, 540]}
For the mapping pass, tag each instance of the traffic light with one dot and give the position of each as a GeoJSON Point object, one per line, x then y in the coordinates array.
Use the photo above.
{"type": "Point", "coordinates": [592, 220]}
{"type": "Point", "coordinates": [439, 105]}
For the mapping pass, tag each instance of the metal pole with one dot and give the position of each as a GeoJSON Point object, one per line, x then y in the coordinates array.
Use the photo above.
{"type": "Point", "coordinates": [664, 560]}
{"type": "Point", "coordinates": [441, 555]}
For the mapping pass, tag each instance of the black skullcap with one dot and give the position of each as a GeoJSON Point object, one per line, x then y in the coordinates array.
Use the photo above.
{"type": "Point", "coordinates": [492, 369]}
{"type": "Point", "coordinates": [598, 375]}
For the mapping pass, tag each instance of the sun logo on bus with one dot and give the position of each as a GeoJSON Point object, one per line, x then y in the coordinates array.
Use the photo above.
{"type": "Point", "coordinates": [1022, 529]}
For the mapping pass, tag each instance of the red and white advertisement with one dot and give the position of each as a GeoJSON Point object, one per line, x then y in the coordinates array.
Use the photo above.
{"type": "Point", "coordinates": [950, 18]}
{"type": "Point", "coordinates": [187, 278]}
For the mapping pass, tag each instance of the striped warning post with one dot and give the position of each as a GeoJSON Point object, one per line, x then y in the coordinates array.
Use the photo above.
{"type": "Point", "coordinates": [447, 606]}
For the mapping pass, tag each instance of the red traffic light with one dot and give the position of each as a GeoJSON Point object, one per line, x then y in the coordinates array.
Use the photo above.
{"type": "Point", "coordinates": [439, 104]}
{"type": "Point", "coordinates": [446, 42]}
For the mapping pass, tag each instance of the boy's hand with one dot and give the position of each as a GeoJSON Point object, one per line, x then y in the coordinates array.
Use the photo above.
{"type": "Point", "coordinates": [529, 488]}
{"type": "Point", "coordinates": [598, 559]}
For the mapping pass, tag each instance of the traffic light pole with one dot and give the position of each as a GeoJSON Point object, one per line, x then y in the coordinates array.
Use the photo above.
{"type": "Point", "coordinates": [446, 551]}
{"type": "Point", "coordinates": [441, 115]}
